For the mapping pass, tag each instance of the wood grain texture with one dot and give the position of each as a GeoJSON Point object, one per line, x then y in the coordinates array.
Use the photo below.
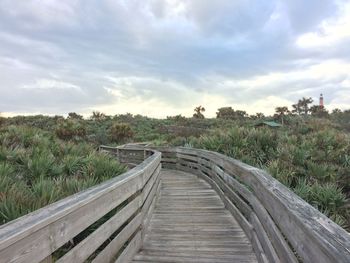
{"type": "Point", "coordinates": [34, 237]}
{"type": "Point", "coordinates": [191, 224]}
{"type": "Point", "coordinates": [313, 236]}
{"type": "Point", "coordinates": [211, 208]}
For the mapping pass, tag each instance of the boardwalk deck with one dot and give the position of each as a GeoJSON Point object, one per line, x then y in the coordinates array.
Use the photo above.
{"type": "Point", "coordinates": [190, 224]}
{"type": "Point", "coordinates": [208, 208]}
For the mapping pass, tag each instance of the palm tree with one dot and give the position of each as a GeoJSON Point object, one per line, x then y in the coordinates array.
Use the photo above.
{"type": "Point", "coordinates": [259, 115]}
{"type": "Point", "coordinates": [198, 112]}
{"type": "Point", "coordinates": [281, 112]}
{"type": "Point", "coordinates": [98, 116]}
{"type": "Point", "coordinates": [336, 111]}
{"type": "Point", "coordinates": [304, 104]}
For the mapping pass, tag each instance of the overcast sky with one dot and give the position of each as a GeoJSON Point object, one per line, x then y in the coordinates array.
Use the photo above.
{"type": "Point", "coordinates": [164, 57]}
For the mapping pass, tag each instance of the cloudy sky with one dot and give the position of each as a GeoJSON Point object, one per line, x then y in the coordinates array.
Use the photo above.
{"type": "Point", "coordinates": [164, 57]}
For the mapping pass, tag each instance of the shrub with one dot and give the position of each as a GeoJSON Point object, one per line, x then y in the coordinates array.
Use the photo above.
{"type": "Point", "coordinates": [70, 129]}
{"type": "Point", "coordinates": [101, 166]}
{"type": "Point", "coordinates": [36, 169]}
{"type": "Point", "coordinates": [327, 197]}
{"type": "Point", "coordinates": [2, 121]}
{"type": "Point", "coordinates": [72, 164]}
{"type": "Point", "coordinates": [73, 115]}
{"type": "Point", "coordinates": [281, 172]}
{"type": "Point", "coordinates": [120, 132]}
{"type": "Point", "coordinates": [73, 185]}
{"type": "Point", "coordinates": [45, 191]}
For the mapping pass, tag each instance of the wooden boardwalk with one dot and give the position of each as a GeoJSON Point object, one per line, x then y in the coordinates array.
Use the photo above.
{"type": "Point", "coordinates": [206, 208]}
{"type": "Point", "coordinates": [190, 224]}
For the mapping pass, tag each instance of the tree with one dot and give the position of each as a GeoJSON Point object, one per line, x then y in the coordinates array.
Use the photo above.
{"type": "Point", "coordinates": [302, 107]}
{"type": "Point", "coordinates": [259, 115]}
{"type": "Point", "coordinates": [241, 114]}
{"type": "Point", "coordinates": [318, 111]}
{"type": "Point", "coordinates": [228, 113]}
{"type": "Point", "coordinates": [225, 113]}
{"type": "Point", "coordinates": [98, 116]}
{"type": "Point", "coordinates": [336, 111]}
{"type": "Point", "coordinates": [75, 116]}
{"type": "Point", "coordinates": [198, 112]}
{"type": "Point", "coordinates": [296, 109]}
{"type": "Point", "coordinates": [281, 112]}
{"type": "Point", "coordinates": [304, 103]}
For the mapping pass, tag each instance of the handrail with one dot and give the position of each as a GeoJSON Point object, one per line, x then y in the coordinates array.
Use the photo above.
{"type": "Point", "coordinates": [129, 197]}
{"type": "Point", "coordinates": [281, 226]}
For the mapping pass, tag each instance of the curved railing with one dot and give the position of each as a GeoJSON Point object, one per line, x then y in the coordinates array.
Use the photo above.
{"type": "Point", "coordinates": [114, 213]}
{"type": "Point", "coordinates": [281, 226]}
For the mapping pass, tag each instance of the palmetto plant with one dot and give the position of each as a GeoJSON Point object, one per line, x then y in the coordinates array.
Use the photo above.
{"type": "Point", "coordinates": [36, 169]}
{"type": "Point", "coordinates": [315, 165]}
{"type": "Point", "coordinates": [120, 132]}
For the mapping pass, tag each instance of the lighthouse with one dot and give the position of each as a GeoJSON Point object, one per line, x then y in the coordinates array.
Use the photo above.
{"type": "Point", "coordinates": [321, 101]}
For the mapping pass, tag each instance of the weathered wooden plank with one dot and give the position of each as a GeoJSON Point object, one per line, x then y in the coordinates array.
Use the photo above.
{"type": "Point", "coordinates": [169, 160]}
{"type": "Point", "coordinates": [130, 250]}
{"type": "Point", "coordinates": [282, 248]}
{"type": "Point", "coordinates": [149, 204]}
{"type": "Point", "coordinates": [186, 157]}
{"type": "Point", "coordinates": [172, 166]}
{"type": "Point", "coordinates": [86, 247]}
{"type": "Point", "coordinates": [148, 186]}
{"type": "Point", "coordinates": [51, 236]}
{"type": "Point", "coordinates": [194, 258]}
{"type": "Point", "coordinates": [265, 242]}
{"type": "Point", "coordinates": [37, 235]}
{"type": "Point", "coordinates": [313, 235]}
{"type": "Point", "coordinates": [247, 227]}
{"type": "Point", "coordinates": [231, 181]}
{"type": "Point", "coordinates": [46, 260]}
{"type": "Point", "coordinates": [187, 226]}
{"type": "Point", "coordinates": [241, 204]}
{"type": "Point", "coordinates": [111, 250]}
{"type": "Point", "coordinates": [259, 252]}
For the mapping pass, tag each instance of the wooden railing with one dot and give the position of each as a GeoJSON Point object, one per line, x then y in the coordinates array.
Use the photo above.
{"type": "Point", "coordinates": [281, 226]}
{"type": "Point", "coordinates": [118, 208]}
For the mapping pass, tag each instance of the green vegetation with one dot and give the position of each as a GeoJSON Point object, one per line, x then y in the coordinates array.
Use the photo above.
{"type": "Point", "coordinates": [36, 169]}
{"type": "Point", "coordinates": [311, 160]}
{"type": "Point", "coordinates": [43, 159]}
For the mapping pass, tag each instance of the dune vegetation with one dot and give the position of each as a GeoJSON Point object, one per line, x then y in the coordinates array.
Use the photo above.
{"type": "Point", "coordinates": [43, 159]}
{"type": "Point", "coordinates": [36, 169]}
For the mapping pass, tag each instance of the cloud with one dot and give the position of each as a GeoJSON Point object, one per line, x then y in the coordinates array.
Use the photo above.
{"type": "Point", "coordinates": [329, 32]}
{"type": "Point", "coordinates": [307, 15]}
{"type": "Point", "coordinates": [162, 57]}
{"type": "Point", "coordinates": [51, 84]}
{"type": "Point", "coordinates": [40, 14]}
